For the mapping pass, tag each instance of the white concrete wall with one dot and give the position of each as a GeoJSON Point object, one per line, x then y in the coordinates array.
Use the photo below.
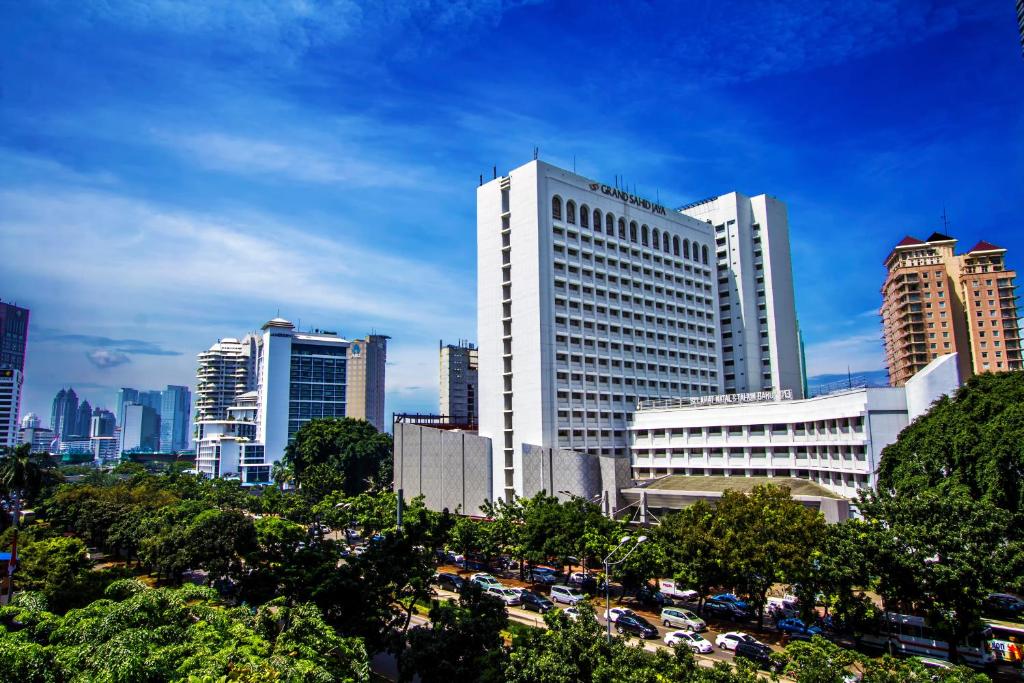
{"type": "Point", "coordinates": [940, 377]}
{"type": "Point", "coordinates": [274, 391]}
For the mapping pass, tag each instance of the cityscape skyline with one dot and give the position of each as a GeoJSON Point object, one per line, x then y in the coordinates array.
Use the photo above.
{"type": "Point", "coordinates": [384, 241]}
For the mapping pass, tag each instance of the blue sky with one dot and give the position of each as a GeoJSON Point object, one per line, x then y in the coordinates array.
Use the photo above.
{"type": "Point", "coordinates": [174, 172]}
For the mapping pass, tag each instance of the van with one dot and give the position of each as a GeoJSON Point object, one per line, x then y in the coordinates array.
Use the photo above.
{"type": "Point", "coordinates": [566, 594]}
{"type": "Point", "coordinates": [671, 589]}
{"type": "Point", "coordinates": [682, 618]}
{"type": "Point", "coordinates": [785, 606]}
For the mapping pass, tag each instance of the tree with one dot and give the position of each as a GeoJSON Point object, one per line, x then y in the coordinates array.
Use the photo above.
{"type": "Point", "coordinates": [819, 661]}
{"type": "Point", "coordinates": [354, 448]}
{"type": "Point", "coordinates": [24, 474]}
{"type": "Point", "coordinates": [217, 540]}
{"type": "Point", "coordinates": [56, 567]}
{"type": "Point", "coordinates": [841, 563]}
{"type": "Point", "coordinates": [694, 547]}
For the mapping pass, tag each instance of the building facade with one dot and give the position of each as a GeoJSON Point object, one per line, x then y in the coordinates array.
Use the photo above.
{"type": "Point", "coordinates": [175, 418]}
{"type": "Point", "coordinates": [83, 420]}
{"type": "Point", "coordinates": [141, 429]}
{"type": "Point", "coordinates": [760, 342]}
{"type": "Point", "coordinates": [13, 336]}
{"type": "Point", "coordinates": [589, 299]}
{"type": "Point", "coordinates": [10, 397]}
{"type": "Point", "coordinates": [64, 414]}
{"type": "Point", "coordinates": [226, 370]}
{"type": "Point", "coordinates": [228, 447]}
{"type": "Point", "coordinates": [834, 440]}
{"type": "Point", "coordinates": [40, 438]}
{"type": "Point", "coordinates": [459, 382]}
{"type": "Point", "coordinates": [364, 385]}
{"type": "Point", "coordinates": [102, 423]}
{"type": "Point", "coordinates": [935, 302]}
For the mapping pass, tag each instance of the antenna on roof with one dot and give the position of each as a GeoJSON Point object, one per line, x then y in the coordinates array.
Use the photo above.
{"type": "Point", "coordinates": [945, 220]}
{"type": "Point", "coordinates": [481, 178]}
{"type": "Point", "coordinates": [494, 169]}
{"type": "Point", "coordinates": [573, 163]}
{"type": "Point", "coordinates": [536, 153]}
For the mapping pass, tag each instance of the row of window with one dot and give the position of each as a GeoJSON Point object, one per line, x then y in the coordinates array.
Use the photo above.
{"type": "Point", "coordinates": [842, 425]}
{"type": "Point", "coordinates": [616, 256]}
{"type": "Point", "coordinates": [657, 239]}
{"type": "Point", "coordinates": [824, 478]}
{"type": "Point", "coordinates": [822, 452]}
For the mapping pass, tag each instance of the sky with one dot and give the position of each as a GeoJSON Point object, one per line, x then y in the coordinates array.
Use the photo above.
{"type": "Point", "coordinates": [172, 172]}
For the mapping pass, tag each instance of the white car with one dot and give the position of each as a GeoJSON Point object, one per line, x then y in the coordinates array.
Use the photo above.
{"type": "Point", "coordinates": [695, 642]}
{"type": "Point", "coordinates": [509, 596]}
{"type": "Point", "coordinates": [572, 613]}
{"type": "Point", "coordinates": [359, 550]}
{"type": "Point", "coordinates": [729, 641]}
{"type": "Point", "coordinates": [485, 580]}
{"type": "Point", "coordinates": [614, 613]}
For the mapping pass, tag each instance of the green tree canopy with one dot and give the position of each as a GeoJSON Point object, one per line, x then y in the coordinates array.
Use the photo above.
{"type": "Point", "coordinates": [353, 448]}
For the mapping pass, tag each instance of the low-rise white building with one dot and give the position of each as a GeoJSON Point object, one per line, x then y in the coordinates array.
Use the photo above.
{"type": "Point", "coordinates": [834, 440]}
{"type": "Point", "coordinates": [223, 446]}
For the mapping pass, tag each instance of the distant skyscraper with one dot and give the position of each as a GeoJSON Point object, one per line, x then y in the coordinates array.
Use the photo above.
{"type": "Point", "coordinates": [13, 339]}
{"type": "Point", "coordinates": [364, 390]}
{"type": "Point", "coordinates": [102, 423]}
{"type": "Point", "coordinates": [458, 382]}
{"type": "Point", "coordinates": [141, 429]}
{"type": "Point", "coordinates": [30, 421]}
{"type": "Point", "coordinates": [39, 437]}
{"type": "Point", "coordinates": [936, 302]}
{"type": "Point", "coordinates": [153, 398]}
{"type": "Point", "coordinates": [125, 396]}
{"type": "Point", "coordinates": [64, 414]}
{"type": "Point", "coordinates": [10, 391]}
{"type": "Point", "coordinates": [226, 370]}
{"type": "Point", "coordinates": [83, 420]}
{"type": "Point", "coordinates": [175, 418]}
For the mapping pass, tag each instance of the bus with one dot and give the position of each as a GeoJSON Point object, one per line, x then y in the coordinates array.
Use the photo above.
{"type": "Point", "coordinates": [909, 635]}
{"type": "Point", "coordinates": [1007, 641]}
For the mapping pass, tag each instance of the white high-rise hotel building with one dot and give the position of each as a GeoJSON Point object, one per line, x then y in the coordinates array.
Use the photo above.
{"type": "Point", "coordinates": [591, 299]}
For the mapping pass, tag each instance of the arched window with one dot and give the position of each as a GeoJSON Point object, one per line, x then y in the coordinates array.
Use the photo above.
{"type": "Point", "coordinates": [570, 212]}
{"type": "Point", "coordinates": [609, 222]}
{"type": "Point", "coordinates": [632, 231]}
{"type": "Point", "coordinates": [664, 243]}
{"type": "Point", "coordinates": [686, 249]}
{"type": "Point", "coordinates": [704, 254]}
{"type": "Point", "coordinates": [585, 217]}
{"type": "Point", "coordinates": [644, 235]}
{"type": "Point", "coordinates": [556, 208]}
{"type": "Point", "coordinates": [622, 229]}
{"type": "Point", "coordinates": [696, 252]}
{"type": "Point", "coordinates": [656, 238]}
{"type": "Point", "coordinates": [675, 245]}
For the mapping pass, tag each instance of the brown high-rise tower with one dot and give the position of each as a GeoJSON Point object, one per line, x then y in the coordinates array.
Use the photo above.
{"type": "Point", "coordinates": [935, 302]}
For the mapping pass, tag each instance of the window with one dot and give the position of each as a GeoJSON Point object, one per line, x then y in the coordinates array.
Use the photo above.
{"type": "Point", "coordinates": [585, 217]}
{"type": "Point", "coordinates": [664, 243]}
{"type": "Point", "coordinates": [632, 230]}
{"type": "Point", "coordinates": [570, 212]}
{"type": "Point", "coordinates": [686, 249]}
{"type": "Point", "coordinates": [622, 229]}
{"type": "Point", "coordinates": [704, 253]}
{"type": "Point", "coordinates": [675, 245]}
{"type": "Point", "coordinates": [556, 208]}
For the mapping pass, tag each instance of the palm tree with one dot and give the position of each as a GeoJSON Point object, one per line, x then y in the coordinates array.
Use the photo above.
{"type": "Point", "coordinates": [23, 475]}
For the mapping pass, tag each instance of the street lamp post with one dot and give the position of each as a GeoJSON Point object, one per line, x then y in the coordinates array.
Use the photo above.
{"type": "Point", "coordinates": [608, 564]}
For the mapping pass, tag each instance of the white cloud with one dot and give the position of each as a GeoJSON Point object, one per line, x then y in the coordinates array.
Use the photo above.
{"type": "Point", "coordinates": [859, 352]}
{"type": "Point", "coordinates": [104, 359]}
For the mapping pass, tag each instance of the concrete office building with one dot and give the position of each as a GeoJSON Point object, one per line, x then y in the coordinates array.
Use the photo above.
{"type": "Point", "coordinates": [760, 343]}
{"type": "Point", "coordinates": [226, 370]}
{"type": "Point", "coordinates": [141, 429]}
{"type": "Point", "coordinates": [125, 395]}
{"type": "Point", "coordinates": [935, 302]}
{"type": "Point", "coordinates": [13, 342]}
{"type": "Point", "coordinates": [299, 376]}
{"type": "Point", "coordinates": [10, 396]}
{"type": "Point", "coordinates": [30, 421]}
{"type": "Point", "coordinates": [834, 440]}
{"type": "Point", "coordinates": [102, 423]}
{"type": "Point", "coordinates": [175, 418]}
{"type": "Point", "coordinates": [40, 438]}
{"type": "Point", "coordinates": [589, 299]}
{"type": "Point", "coordinates": [459, 379]}
{"type": "Point", "coordinates": [364, 385]}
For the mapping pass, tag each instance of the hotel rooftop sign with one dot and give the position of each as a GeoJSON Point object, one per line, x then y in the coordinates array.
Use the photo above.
{"type": "Point", "coordinates": [718, 399]}
{"type": "Point", "coordinates": [629, 198]}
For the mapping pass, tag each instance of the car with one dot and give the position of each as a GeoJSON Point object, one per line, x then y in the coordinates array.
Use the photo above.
{"type": "Point", "coordinates": [729, 641]}
{"type": "Point", "coordinates": [567, 594]}
{"type": "Point", "coordinates": [758, 653]}
{"type": "Point", "coordinates": [543, 575]}
{"type": "Point", "coordinates": [734, 599]}
{"type": "Point", "coordinates": [536, 603]}
{"type": "Point", "coordinates": [673, 590]}
{"type": "Point", "coordinates": [615, 613]}
{"type": "Point", "coordinates": [359, 550]}
{"type": "Point", "coordinates": [652, 597]}
{"type": "Point", "coordinates": [682, 618]}
{"type": "Point", "coordinates": [485, 580]}
{"type": "Point", "coordinates": [506, 595]}
{"type": "Point", "coordinates": [449, 581]}
{"type": "Point", "coordinates": [1005, 606]}
{"type": "Point", "coordinates": [572, 613]}
{"type": "Point", "coordinates": [723, 610]}
{"type": "Point", "coordinates": [797, 629]}
{"type": "Point", "coordinates": [581, 579]}
{"type": "Point", "coordinates": [636, 625]}
{"type": "Point", "coordinates": [694, 641]}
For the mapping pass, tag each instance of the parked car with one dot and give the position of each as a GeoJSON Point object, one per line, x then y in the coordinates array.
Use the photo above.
{"type": "Point", "coordinates": [693, 641]}
{"type": "Point", "coordinates": [1004, 606]}
{"type": "Point", "coordinates": [615, 613]}
{"type": "Point", "coordinates": [797, 629]}
{"type": "Point", "coordinates": [734, 599]}
{"type": "Point", "coordinates": [572, 613]}
{"type": "Point", "coordinates": [536, 603]}
{"type": "Point", "coordinates": [506, 595]}
{"type": "Point", "coordinates": [359, 550]}
{"type": "Point", "coordinates": [759, 653]}
{"type": "Point", "coordinates": [682, 618]}
{"type": "Point", "coordinates": [543, 575]}
{"type": "Point", "coordinates": [581, 579]}
{"type": "Point", "coordinates": [567, 594]}
{"type": "Point", "coordinates": [635, 625]}
{"type": "Point", "coordinates": [449, 581]}
{"type": "Point", "coordinates": [783, 607]}
{"type": "Point", "coordinates": [485, 580]}
{"type": "Point", "coordinates": [723, 610]}
{"type": "Point", "coordinates": [652, 597]}
{"type": "Point", "coordinates": [729, 641]}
